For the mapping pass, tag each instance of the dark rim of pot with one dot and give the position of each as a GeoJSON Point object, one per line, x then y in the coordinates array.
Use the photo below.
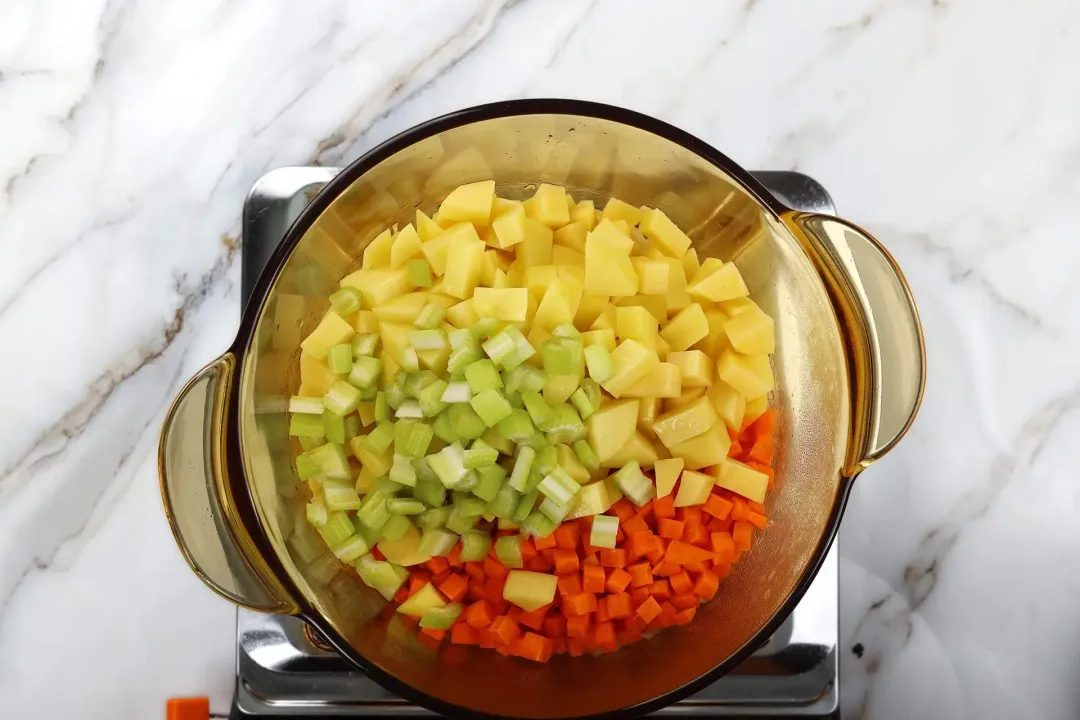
{"type": "Point", "coordinates": [244, 338]}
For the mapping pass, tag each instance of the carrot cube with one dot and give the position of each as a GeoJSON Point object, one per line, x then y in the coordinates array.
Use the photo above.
{"type": "Point", "coordinates": [454, 587]}
{"type": "Point", "coordinates": [581, 604]}
{"type": "Point", "coordinates": [640, 574]}
{"type": "Point", "coordinates": [671, 529]}
{"type": "Point", "coordinates": [505, 629]}
{"type": "Point", "coordinates": [682, 602]}
{"type": "Point", "coordinates": [617, 581]}
{"type": "Point", "coordinates": [618, 605]}
{"type": "Point", "coordinates": [545, 543]}
{"type": "Point", "coordinates": [569, 585]}
{"type": "Point", "coordinates": [463, 634]}
{"type": "Point", "coordinates": [742, 534]}
{"type": "Point", "coordinates": [566, 561]}
{"type": "Point", "coordinates": [577, 626]}
{"type": "Point", "coordinates": [592, 578]}
{"type": "Point", "coordinates": [613, 558]}
{"type": "Point", "coordinates": [648, 610]}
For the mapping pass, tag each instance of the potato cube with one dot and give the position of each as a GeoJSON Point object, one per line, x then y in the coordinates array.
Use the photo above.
{"type": "Point", "coordinates": [751, 375]}
{"type": "Point", "coordinates": [469, 203]}
{"type": "Point", "coordinates": [623, 227]}
{"type": "Point", "coordinates": [402, 309]}
{"type": "Point", "coordinates": [378, 286]}
{"type": "Point", "coordinates": [434, 360]}
{"type": "Point", "coordinates": [729, 404]}
{"type": "Point", "coordinates": [538, 278]}
{"type": "Point", "coordinates": [694, 489]}
{"type": "Point", "coordinates": [585, 213]}
{"type": "Point", "coordinates": [435, 250]}
{"type": "Point", "coordinates": [666, 234]}
{"type": "Point", "coordinates": [605, 320]}
{"type": "Point", "coordinates": [742, 480]}
{"type": "Point", "coordinates": [724, 284]}
{"type": "Point", "coordinates": [535, 249]}
{"type": "Point", "coordinates": [616, 209]}
{"type": "Point", "coordinates": [690, 262]}
{"type": "Point", "coordinates": [501, 206]}
{"type": "Point", "coordinates": [650, 409]}
{"type": "Point", "coordinates": [463, 261]}
{"type": "Point", "coordinates": [689, 395]}
{"type": "Point", "coordinates": [696, 367]}
{"type": "Point", "coordinates": [612, 426]}
{"type": "Point", "coordinates": [655, 304]}
{"type": "Point", "coordinates": [511, 304]}
{"type": "Point", "coordinates": [716, 341]}
{"type": "Point", "coordinates": [559, 388]}
{"type": "Point", "coordinates": [638, 449]}
{"type": "Point", "coordinates": [537, 337]}
{"type": "Point", "coordinates": [708, 267]}
{"type": "Point", "coordinates": [709, 448]}
{"type": "Point", "coordinates": [559, 305]}
{"type": "Point", "coordinates": [572, 236]}
{"type": "Point", "coordinates": [592, 499]}
{"type": "Point", "coordinates": [664, 381]}
{"type": "Point", "coordinates": [608, 270]}
{"type": "Point", "coordinates": [562, 255]}
{"type": "Point", "coordinates": [636, 323]}
{"type": "Point", "coordinates": [686, 328]}
{"type": "Point", "coordinates": [509, 228]}
{"type": "Point", "coordinates": [315, 376]}
{"type": "Point", "coordinates": [737, 306]}
{"type": "Point", "coordinates": [751, 333]}
{"type": "Point", "coordinates": [599, 337]}
{"type": "Point", "coordinates": [529, 590]}
{"type": "Point", "coordinates": [632, 362]}
{"type": "Point", "coordinates": [589, 310]}
{"type": "Point", "coordinates": [667, 473]}
{"type": "Point", "coordinates": [366, 322]}
{"type": "Point", "coordinates": [377, 252]}
{"type": "Point", "coordinates": [405, 247]}
{"type": "Point", "coordinates": [462, 315]}
{"type": "Point", "coordinates": [755, 408]}
{"type": "Point", "coordinates": [395, 338]}
{"type": "Point", "coordinates": [686, 422]}
{"type": "Point", "coordinates": [677, 297]}
{"type": "Point", "coordinates": [426, 228]}
{"type": "Point", "coordinates": [609, 233]}
{"type": "Point", "coordinates": [653, 275]}
{"type": "Point", "coordinates": [548, 206]}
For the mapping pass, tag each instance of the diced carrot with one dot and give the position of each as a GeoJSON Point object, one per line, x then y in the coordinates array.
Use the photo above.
{"type": "Point", "coordinates": [555, 626]}
{"type": "Point", "coordinates": [664, 507]}
{"type": "Point", "coordinates": [431, 638]}
{"type": "Point", "coordinates": [577, 626]}
{"type": "Point", "coordinates": [437, 564]}
{"type": "Point", "coordinates": [532, 647]}
{"type": "Point", "coordinates": [689, 514]}
{"type": "Point", "coordinates": [402, 594]}
{"type": "Point", "coordinates": [605, 637]}
{"type": "Point", "coordinates": [575, 647]}
{"type": "Point", "coordinates": [648, 610]}
{"type": "Point", "coordinates": [601, 613]}
{"type": "Point", "coordinates": [696, 534]}
{"type": "Point", "coordinates": [684, 616]}
{"type": "Point", "coordinates": [639, 595]}
{"type": "Point", "coordinates": [417, 581]}
{"type": "Point", "coordinates": [656, 554]}
{"type": "Point", "coordinates": [479, 614]}
{"type": "Point", "coordinates": [722, 543]}
{"type": "Point", "coordinates": [646, 511]}
{"type": "Point", "coordinates": [764, 469]}
{"type": "Point", "coordinates": [757, 520]}
{"type": "Point", "coordinates": [698, 567]}
{"type": "Point", "coordinates": [627, 637]}
{"type": "Point", "coordinates": [617, 580]}
{"type": "Point", "coordinates": [763, 426]}
{"type": "Point", "coordinates": [487, 638]}
{"type": "Point", "coordinates": [548, 553]}
{"type": "Point", "coordinates": [740, 510]}
{"type": "Point", "coordinates": [439, 577]}
{"type": "Point", "coordinates": [618, 605]}
{"type": "Point", "coordinates": [680, 552]}
{"type": "Point", "coordinates": [681, 583]}
{"type": "Point", "coordinates": [566, 562]}
{"type": "Point", "coordinates": [454, 587]}
{"type": "Point", "coordinates": [580, 604]}
{"type": "Point", "coordinates": [613, 558]}
{"type": "Point", "coordinates": [736, 449]}
{"type": "Point", "coordinates": [493, 589]}
{"type": "Point", "coordinates": [660, 589]}
{"type": "Point", "coordinates": [503, 650]}
{"type": "Point", "coordinates": [756, 506]}
{"type": "Point", "coordinates": [639, 544]}
{"type": "Point", "coordinates": [623, 510]}
{"type": "Point", "coordinates": [494, 568]}
{"type": "Point", "coordinates": [534, 618]}
{"type": "Point", "coordinates": [463, 634]}
{"type": "Point", "coordinates": [742, 534]}
{"type": "Point", "coordinates": [567, 536]}
{"type": "Point", "coordinates": [528, 548]}
{"type": "Point", "coordinates": [569, 584]}
{"type": "Point", "coordinates": [667, 612]}
{"type": "Point", "coordinates": [722, 570]}
{"type": "Point", "coordinates": [505, 629]}
{"type": "Point", "coordinates": [559, 645]}
{"type": "Point", "coordinates": [762, 451]}
{"type": "Point", "coordinates": [635, 524]}
{"type": "Point", "coordinates": [682, 602]}
{"type": "Point", "coordinates": [667, 569]}
{"type": "Point", "coordinates": [718, 507]}
{"type": "Point", "coordinates": [475, 570]}
{"type": "Point", "coordinates": [545, 543]}
{"type": "Point", "coordinates": [593, 578]}
{"type": "Point", "coordinates": [640, 574]}
{"type": "Point", "coordinates": [671, 529]}
{"type": "Point", "coordinates": [707, 584]}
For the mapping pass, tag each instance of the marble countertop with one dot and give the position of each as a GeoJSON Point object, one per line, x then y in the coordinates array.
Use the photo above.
{"type": "Point", "coordinates": [131, 132]}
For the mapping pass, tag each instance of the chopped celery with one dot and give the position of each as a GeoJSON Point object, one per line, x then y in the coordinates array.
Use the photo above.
{"type": "Point", "coordinates": [409, 409]}
{"type": "Point", "coordinates": [600, 364]}
{"type": "Point", "coordinates": [419, 272]}
{"type": "Point", "coordinates": [559, 486]}
{"type": "Point", "coordinates": [428, 339]}
{"type": "Point", "coordinates": [402, 472]}
{"type": "Point", "coordinates": [444, 428]}
{"type": "Point", "coordinates": [480, 454]}
{"type": "Point", "coordinates": [364, 345]}
{"type": "Point", "coordinates": [337, 529]}
{"type": "Point", "coordinates": [522, 466]}
{"type": "Point", "coordinates": [449, 465]}
{"type": "Point", "coordinates": [469, 481]}
{"type": "Point", "coordinates": [417, 381]}
{"type": "Point", "coordinates": [537, 524]}
{"type": "Point", "coordinates": [365, 371]}
{"type": "Point", "coordinates": [304, 546]}
{"type": "Point", "coordinates": [581, 399]}
{"type": "Point", "coordinates": [432, 493]}
{"type": "Point", "coordinates": [346, 301]}
{"type": "Point", "coordinates": [372, 536]}
{"type": "Point", "coordinates": [441, 618]}
{"type": "Point", "coordinates": [341, 398]}
{"type": "Point", "coordinates": [395, 391]}
{"type": "Point", "coordinates": [339, 359]}
{"type": "Point", "coordinates": [523, 378]}
{"type": "Point", "coordinates": [566, 330]}
{"type": "Point", "coordinates": [500, 346]}
{"type": "Point", "coordinates": [433, 518]}
{"type": "Point", "coordinates": [412, 438]}
{"type": "Point", "coordinates": [437, 542]}
{"type": "Point", "coordinates": [522, 350]}
{"type": "Point", "coordinates": [586, 455]}
{"type": "Point", "coordinates": [322, 570]}
{"type": "Point", "coordinates": [538, 409]}
{"type": "Point", "coordinates": [410, 361]}
{"type": "Point", "coordinates": [547, 459]}
{"type": "Point", "coordinates": [340, 497]}
{"type": "Point", "coordinates": [459, 522]}
{"type": "Point", "coordinates": [404, 506]}
{"type": "Point", "coordinates": [352, 548]}
{"type": "Point", "coordinates": [307, 466]}
{"type": "Point", "coordinates": [315, 512]}
{"type": "Point", "coordinates": [381, 576]}
{"type": "Point", "coordinates": [461, 337]}
{"type": "Point", "coordinates": [465, 420]}
{"type": "Point", "coordinates": [492, 407]}
{"type": "Point", "coordinates": [396, 527]}
{"type": "Point", "coordinates": [382, 408]}
{"type": "Point", "coordinates": [634, 484]}
{"type": "Point", "coordinates": [387, 487]}
{"type": "Point", "coordinates": [470, 507]}
{"type": "Point", "coordinates": [430, 317]}
{"type": "Point", "coordinates": [303, 425]}
{"type": "Point", "coordinates": [430, 398]}
{"type": "Point", "coordinates": [504, 503]}
{"type": "Point", "coordinates": [553, 511]}
{"type": "Point", "coordinates": [508, 550]}
{"type": "Point", "coordinates": [331, 461]}
{"type": "Point", "coordinates": [351, 426]}
{"type": "Point", "coordinates": [563, 356]}
{"type": "Point", "coordinates": [306, 405]}
{"type": "Point", "coordinates": [565, 425]}
{"type": "Point", "coordinates": [482, 375]}
{"type": "Point", "coordinates": [369, 394]}
{"type": "Point", "coordinates": [380, 437]}
{"type": "Point", "coordinates": [490, 479]}
{"type": "Point", "coordinates": [474, 545]}
{"type": "Point", "coordinates": [424, 474]}
{"type": "Point", "coordinates": [334, 427]}
{"type": "Point", "coordinates": [461, 357]}
{"type": "Point", "coordinates": [308, 442]}
{"type": "Point", "coordinates": [525, 506]}
{"type": "Point", "coordinates": [605, 529]}
{"type": "Point", "coordinates": [373, 513]}
{"type": "Point", "coordinates": [515, 400]}
{"type": "Point", "coordinates": [457, 392]}
{"type": "Point", "coordinates": [518, 428]}
{"type": "Point", "coordinates": [485, 327]}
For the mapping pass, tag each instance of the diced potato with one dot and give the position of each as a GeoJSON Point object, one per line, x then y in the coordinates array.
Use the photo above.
{"type": "Point", "coordinates": [585, 213]}
{"type": "Point", "coordinates": [737, 306]}
{"type": "Point", "coordinates": [569, 462]}
{"type": "Point", "coordinates": [677, 297]}
{"type": "Point", "coordinates": [378, 286]}
{"type": "Point", "coordinates": [315, 376]}
{"type": "Point", "coordinates": [425, 599]}
{"type": "Point", "coordinates": [608, 270]}
{"type": "Point", "coordinates": [653, 275]}
{"type": "Point", "coordinates": [724, 284]}
{"type": "Point", "coordinates": [561, 255]}
{"type": "Point", "coordinates": [589, 310]}
{"type": "Point", "coordinates": [378, 463]}
{"type": "Point", "coordinates": [572, 236]}
{"type": "Point", "coordinates": [535, 249]}
{"type": "Point", "coordinates": [469, 203]}
{"type": "Point", "coordinates": [463, 260]}
{"type": "Point", "coordinates": [592, 499]}
{"type": "Point", "coordinates": [426, 228]}
{"type": "Point", "coordinates": [728, 403]}
{"type": "Point", "coordinates": [667, 473]}
{"type": "Point", "coordinates": [435, 250]}
{"type": "Point", "coordinates": [605, 320]}
{"type": "Point", "coordinates": [508, 305]}
{"type": "Point", "coordinates": [608, 233]}
{"type": "Point", "coordinates": [404, 551]}
{"type": "Point", "coordinates": [616, 209]}
{"type": "Point", "coordinates": [406, 246]}
{"type": "Point", "coordinates": [377, 252]}
{"type": "Point", "coordinates": [751, 333]}
{"type": "Point", "coordinates": [538, 277]}
{"type": "Point", "coordinates": [755, 408]}
{"type": "Point", "coordinates": [612, 426]}
{"type": "Point", "coordinates": [684, 423]}
{"type": "Point", "coordinates": [509, 228]}
{"type": "Point", "coordinates": [716, 341]}
{"type": "Point", "coordinates": [710, 266]}
{"type": "Point", "coordinates": [462, 315]}
{"type": "Point", "coordinates": [390, 364]}
{"type": "Point", "coordinates": [655, 304]}
{"type": "Point", "coordinates": [559, 388]}
{"type": "Point", "coordinates": [690, 262]}
{"type": "Point", "coordinates": [751, 375]}
{"type": "Point", "coordinates": [648, 411]}
{"type": "Point", "coordinates": [598, 337]}
{"type": "Point", "coordinates": [501, 206]}
{"type": "Point", "coordinates": [366, 479]}
{"type": "Point", "coordinates": [548, 205]}
{"type": "Point", "coordinates": [559, 305]}
{"type": "Point", "coordinates": [743, 480]}
{"type": "Point", "coordinates": [636, 323]}
{"type": "Point", "coordinates": [696, 367]}
{"type": "Point", "coordinates": [332, 330]}
{"type": "Point", "coordinates": [694, 489]}
{"type": "Point", "coordinates": [366, 322]}
{"type": "Point", "coordinates": [529, 590]}
{"type": "Point", "coordinates": [623, 227]}
{"type": "Point", "coordinates": [395, 338]}
{"type": "Point", "coordinates": [686, 328]}
{"type": "Point", "coordinates": [689, 395]}
{"type": "Point", "coordinates": [537, 337]}
{"type": "Point", "coordinates": [709, 448]}
{"type": "Point", "coordinates": [666, 234]}
{"type": "Point", "coordinates": [632, 362]}
{"type": "Point", "coordinates": [663, 381]}
{"type": "Point", "coordinates": [638, 448]}
{"type": "Point", "coordinates": [401, 309]}
{"type": "Point", "coordinates": [434, 360]}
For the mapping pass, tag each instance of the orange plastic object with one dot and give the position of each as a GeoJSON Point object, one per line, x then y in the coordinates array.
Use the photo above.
{"type": "Point", "coordinates": [189, 708]}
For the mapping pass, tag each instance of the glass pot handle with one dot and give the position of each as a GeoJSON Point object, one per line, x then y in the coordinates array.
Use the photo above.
{"type": "Point", "coordinates": [198, 500]}
{"type": "Point", "coordinates": [880, 323]}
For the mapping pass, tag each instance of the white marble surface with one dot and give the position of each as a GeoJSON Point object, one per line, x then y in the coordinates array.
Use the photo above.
{"type": "Point", "coordinates": [131, 130]}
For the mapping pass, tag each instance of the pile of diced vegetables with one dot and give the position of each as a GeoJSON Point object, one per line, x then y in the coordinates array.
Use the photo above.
{"type": "Point", "coordinates": [536, 426]}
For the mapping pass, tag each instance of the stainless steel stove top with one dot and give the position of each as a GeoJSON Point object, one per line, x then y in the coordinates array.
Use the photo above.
{"type": "Point", "coordinates": [282, 673]}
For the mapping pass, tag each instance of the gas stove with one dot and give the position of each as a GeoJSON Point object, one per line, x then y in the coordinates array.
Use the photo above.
{"type": "Point", "coordinates": [284, 671]}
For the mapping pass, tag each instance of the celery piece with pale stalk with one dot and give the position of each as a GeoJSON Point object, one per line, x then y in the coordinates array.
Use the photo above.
{"type": "Point", "coordinates": [331, 461]}
{"type": "Point", "coordinates": [499, 346]}
{"type": "Point", "coordinates": [303, 425]}
{"type": "Point", "coordinates": [395, 391]}
{"type": "Point", "coordinates": [485, 327]}
{"type": "Point", "coordinates": [444, 429]}
{"type": "Point", "coordinates": [402, 472]}
{"type": "Point", "coordinates": [474, 545]}
{"type": "Point", "coordinates": [310, 443]}
{"type": "Point", "coordinates": [469, 506]}
{"type": "Point", "coordinates": [565, 426]}
{"type": "Point", "coordinates": [334, 427]}
{"type": "Point", "coordinates": [380, 576]}
{"type": "Point", "coordinates": [396, 527]}
{"type": "Point", "coordinates": [467, 423]}
{"type": "Point", "coordinates": [559, 487]}
{"type": "Point", "coordinates": [482, 375]}
{"type": "Point", "coordinates": [416, 382]}
{"type": "Point", "coordinates": [382, 408]}
{"type": "Point", "coordinates": [304, 546]}
{"type": "Point", "coordinates": [430, 398]}
{"type": "Point", "coordinates": [522, 350]}
{"type": "Point", "coordinates": [508, 550]}
{"type": "Point", "coordinates": [437, 542]}
{"type": "Point", "coordinates": [428, 339]}
{"type": "Point", "coordinates": [492, 407]}
{"type": "Point", "coordinates": [566, 330]}
{"type": "Point", "coordinates": [365, 371]}
{"type": "Point", "coordinates": [410, 361]}
{"type": "Point", "coordinates": [459, 522]}
{"type": "Point", "coordinates": [424, 473]}
{"type": "Point", "coordinates": [553, 511]}
{"type": "Point", "coordinates": [340, 497]}
{"type": "Point", "coordinates": [464, 351]}
{"type": "Point", "coordinates": [524, 378]}
{"type": "Point", "coordinates": [469, 481]}
{"type": "Point", "coordinates": [380, 437]}
{"type": "Point", "coordinates": [364, 345]}
{"type": "Point", "coordinates": [369, 394]}
{"type": "Point", "coordinates": [441, 618]}
{"type": "Point", "coordinates": [433, 518]}
{"type": "Point", "coordinates": [339, 359]}
{"type": "Point", "coordinates": [525, 506]}
{"type": "Point", "coordinates": [432, 494]}
{"type": "Point", "coordinates": [315, 512]}
{"type": "Point", "coordinates": [419, 273]}
{"type": "Point", "coordinates": [449, 465]}
{"type": "Point", "coordinates": [412, 438]}
{"type": "Point", "coordinates": [352, 548]}
{"type": "Point", "coordinates": [387, 487]}
{"type": "Point", "coordinates": [307, 466]}
{"type": "Point", "coordinates": [337, 529]}
{"type": "Point", "coordinates": [490, 479]}
{"type": "Point", "coordinates": [504, 503]}
{"type": "Point", "coordinates": [538, 409]}
{"type": "Point", "coordinates": [547, 459]}
{"type": "Point", "coordinates": [605, 531]}
{"type": "Point", "coordinates": [586, 398]}
{"type": "Point", "coordinates": [599, 362]}
{"type": "Point", "coordinates": [346, 301]}
{"type": "Point", "coordinates": [457, 392]}
{"type": "Point", "coordinates": [430, 317]}
{"type": "Point", "coordinates": [306, 405]}
{"type": "Point", "coordinates": [522, 467]}
{"type": "Point", "coordinates": [371, 536]}
{"type": "Point", "coordinates": [404, 506]}
{"type": "Point", "coordinates": [480, 454]}
{"type": "Point", "coordinates": [634, 484]}
{"type": "Point", "coordinates": [586, 455]}
{"type": "Point", "coordinates": [409, 409]}
{"type": "Point", "coordinates": [351, 427]}
{"type": "Point", "coordinates": [518, 428]}
{"type": "Point", "coordinates": [341, 398]}
{"type": "Point", "coordinates": [537, 524]}
{"type": "Point", "coordinates": [373, 513]}
{"type": "Point", "coordinates": [563, 356]}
